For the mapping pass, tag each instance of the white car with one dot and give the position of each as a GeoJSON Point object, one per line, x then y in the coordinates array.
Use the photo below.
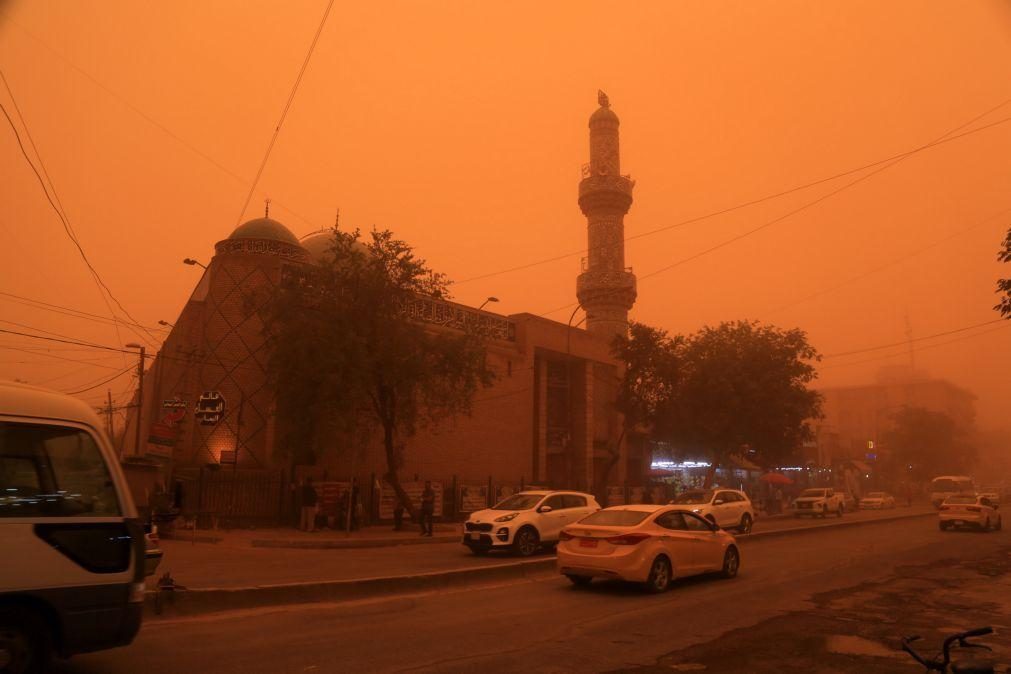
{"type": "Point", "coordinates": [877, 500]}
{"type": "Point", "coordinates": [969, 510]}
{"type": "Point", "coordinates": [992, 493]}
{"type": "Point", "coordinates": [949, 485]}
{"type": "Point", "coordinates": [526, 521]}
{"type": "Point", "coordinates": [819, 502]}
{"type": "Point", "coordinates": [726, 508]}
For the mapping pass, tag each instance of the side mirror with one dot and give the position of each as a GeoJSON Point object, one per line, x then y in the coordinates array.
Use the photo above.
{"type": "Point", "coordinates": [718, 501]}
{"type": "Point", "coordinates": [545, 509]}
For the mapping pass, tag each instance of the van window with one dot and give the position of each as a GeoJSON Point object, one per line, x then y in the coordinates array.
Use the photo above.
{"type": "Point", "coordinates": [53, 471]}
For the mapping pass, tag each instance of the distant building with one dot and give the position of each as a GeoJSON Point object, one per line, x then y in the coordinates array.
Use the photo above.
{"type": "Point", "coordinates": [548, 420]}
{"type": "Point", "coordinates": [857, 417]}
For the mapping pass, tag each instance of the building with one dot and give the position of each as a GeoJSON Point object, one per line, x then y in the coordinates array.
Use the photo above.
{"type": "Point", "coordinates": [549, 419]}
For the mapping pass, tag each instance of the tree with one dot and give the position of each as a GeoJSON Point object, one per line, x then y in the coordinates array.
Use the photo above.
{"type": "Point", "coordinates": [347, 358]}
{"type": "Point", "coordinates": [650, 377]}
{"type": "Point", "coordinates": [740, 384]}
{"type": "Point", "coordinates": [923, 444]}
{"type": "Point", "coordinates": [1004, 285]}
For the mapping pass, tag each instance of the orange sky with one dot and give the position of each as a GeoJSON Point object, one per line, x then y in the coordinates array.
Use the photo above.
{"type": "Point", "coordinates": [462, 127]}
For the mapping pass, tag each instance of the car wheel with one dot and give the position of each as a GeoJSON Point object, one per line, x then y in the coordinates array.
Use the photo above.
{"type": "Point", "coordinates": [746, 524]}
{"type": "Point", "coordinates": [25, 646]}
{"type": "Point", "coordinates": [579, 581]}
{"type": "Point", "coordinates": [526, 542]}
{"type": "Point", "coordinates": [659, 576]}
{"type": "Point", "coordinates": [731, 562]}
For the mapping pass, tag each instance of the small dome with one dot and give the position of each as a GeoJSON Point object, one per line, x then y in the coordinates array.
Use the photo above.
{"type": "Point", "coordinates": [319, 243]}
{"type": "Point", "coordinates": [264, 228]}
{"type": "Point", "coordinates": [603, 114]}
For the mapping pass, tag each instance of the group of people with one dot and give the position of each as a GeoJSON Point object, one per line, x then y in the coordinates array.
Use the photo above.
{"type": "Point", "coordinates": [309, 509]}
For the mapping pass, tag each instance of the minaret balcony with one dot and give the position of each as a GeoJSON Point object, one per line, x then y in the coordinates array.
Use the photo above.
{"type": "Point", "coordinates": [607, 286]}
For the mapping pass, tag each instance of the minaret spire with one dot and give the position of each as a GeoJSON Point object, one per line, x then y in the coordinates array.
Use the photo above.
{"type": "Point", "coordinates": [606, 288]}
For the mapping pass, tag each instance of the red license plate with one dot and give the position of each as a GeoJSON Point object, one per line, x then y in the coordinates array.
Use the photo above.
{"type": "Point", "coordinates": [587, 542]}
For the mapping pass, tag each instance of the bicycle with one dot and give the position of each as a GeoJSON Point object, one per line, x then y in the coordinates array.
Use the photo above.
{"type": "Point", "coordinates": [940, 662]}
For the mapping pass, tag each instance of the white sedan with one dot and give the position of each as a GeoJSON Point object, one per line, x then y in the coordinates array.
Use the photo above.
{"type": "Point", "coordinates": [877, 500]}
{"type": "Point", "coordinates": [646, 544]}
{"type": "Point", "coordinates": [969, 511]}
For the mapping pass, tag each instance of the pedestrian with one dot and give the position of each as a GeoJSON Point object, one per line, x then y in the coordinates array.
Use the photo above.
{"type": "Point", "coordinates": [398, 514]}
{"type": "Point", "coordinates": [427, 509]}
{"type": "Point", "coordinates": [309, 499]}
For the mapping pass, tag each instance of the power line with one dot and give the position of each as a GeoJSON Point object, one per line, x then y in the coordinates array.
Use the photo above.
{"type": "Point", "coordinates": [101, 383]}
{"type": "Point", "coordinates": [284, 112]}
{"type": "Point", "coordinates": [69, 311]}
{"type": "Point", "coordinates": [753, 202]}
{"type": "Point", "coordinates": [922, 348]}
{"type": "Point", "coordinates": [907, 341]}
{"type": "Point", "coordinates": [63, 219]}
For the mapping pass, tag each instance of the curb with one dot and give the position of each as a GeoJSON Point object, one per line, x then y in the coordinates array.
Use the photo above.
{"type": "Point", "coordinates": [351, 543]}
{"type": "Point", "coordinates": [209, 600]}
{"type": "Point", "coordinates": [183, 602]}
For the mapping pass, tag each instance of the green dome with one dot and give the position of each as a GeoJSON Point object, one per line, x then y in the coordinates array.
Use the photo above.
{"type": "Point", "coordinates": [264, 228]}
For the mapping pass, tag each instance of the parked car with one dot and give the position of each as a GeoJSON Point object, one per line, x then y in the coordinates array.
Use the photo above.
{"type": "Point", "coordinates": [645, 544]}
{"type": "Point", "coordinates": [727, 508]}
{"type": "Point", "coordinates": [968, 510]}
{"type": "Point", "coordinates": [526, 521]}
{"type": "Point", "coordinates": [819, 503]}
{"type": "Point", "coordinates": [72, 568]}
{"type": "Point", "coordinates": [992, 493]}
{"type": "Point", "coordinates": [878, 500]}
{"type": "Point", "coordinates": [949, 485]}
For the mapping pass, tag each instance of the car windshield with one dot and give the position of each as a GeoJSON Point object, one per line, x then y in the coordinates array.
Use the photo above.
{"type": "Point", "coordinates": [876, 494]}
{"type": "Point", "coordinates": [519, 502]}
{"type": "Point", "coordinates": [812, 493]}
{"type": "Point", "coordinates": [694, 497]}
{"type": "Point", "coordinates": [615, 518]}
{"type": "Point", "coordinates": [960, 500]}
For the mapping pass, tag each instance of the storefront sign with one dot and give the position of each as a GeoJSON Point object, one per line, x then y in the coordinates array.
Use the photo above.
{"type": "Point", "coordinates": [210, 408]}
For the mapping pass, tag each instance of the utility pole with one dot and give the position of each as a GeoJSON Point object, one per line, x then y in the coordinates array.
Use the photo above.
{"type": "Point", "coordinates": [140, 394]}
{"type": "Point", "coordinates": [108, 412]}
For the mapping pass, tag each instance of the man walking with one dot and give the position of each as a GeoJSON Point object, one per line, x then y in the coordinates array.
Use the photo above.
{"type": "Point", "coordinates": [427, 509]}
{"type": "Point", "coordinates": [309, 500]}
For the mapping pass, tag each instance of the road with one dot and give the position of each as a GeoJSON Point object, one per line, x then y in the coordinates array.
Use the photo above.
{"type": "Point", "coordinates": [540, 624]}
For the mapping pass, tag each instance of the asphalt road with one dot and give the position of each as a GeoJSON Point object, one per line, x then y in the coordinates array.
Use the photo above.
{"type": "Point", "coordinates": [541, 624]}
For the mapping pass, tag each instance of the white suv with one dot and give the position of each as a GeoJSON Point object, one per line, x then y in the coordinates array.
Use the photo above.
{"type": "Point", "coordinates": [726, 508]}
{"type": "Point", "coordinates": [526, 521]}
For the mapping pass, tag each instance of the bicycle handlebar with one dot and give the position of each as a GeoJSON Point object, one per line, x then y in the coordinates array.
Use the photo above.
{"type": "Point", "coordinates": [942, 665]}
{"type": "Point", "coordinates": [978, 632]}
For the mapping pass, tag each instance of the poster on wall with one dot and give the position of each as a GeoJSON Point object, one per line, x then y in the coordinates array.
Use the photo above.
{"type": "Point", "coordinates": [161, 438]}
{"type": "Point", "coordinates": [473, 497]}
{"type": "Point", "coordinates": [332, 493]}
{"type": "Point", "coordinates": [387, 497]}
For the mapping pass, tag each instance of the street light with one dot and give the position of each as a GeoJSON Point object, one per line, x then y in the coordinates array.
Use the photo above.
{"type": "Point", "coordinates": [140, 392]}
{"type": "Point", "coordinates": [166, 324]}
{"type": "Point", "coordinates": [490, 299]}
{"type": "Point", "coordinates": [191, 261]}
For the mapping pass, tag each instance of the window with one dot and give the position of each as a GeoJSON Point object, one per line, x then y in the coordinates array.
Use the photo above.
{"type": "Point", "coordinates": [727, 496]}
{"type": "Point", "coordinates": [573, 501]}
{"type": "Point", "coordinates": [615, 518]}
{"type": "Point", "coordinates": [557, 502]}
{"type": "Point", "coordinates": [53, 471]}
{"type": "Point", "coordinates": [695, 523]}
{"type": "Point", "coordinates": [672, 519]}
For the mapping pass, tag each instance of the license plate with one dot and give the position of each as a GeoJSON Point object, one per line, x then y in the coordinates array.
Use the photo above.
{"type": "Point", "coordinates": [587, 542]}
{"type": "Point", "coordinates": [474, 537]}
{"type": "Point", "coordinates": [958, 523]}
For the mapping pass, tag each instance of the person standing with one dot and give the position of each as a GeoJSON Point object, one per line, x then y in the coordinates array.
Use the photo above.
{"type": "Point", "coordinates": [398, 514]}
{"type": "Point", "coordinates": [309, 500]}
{"type": "Point", "coordinates": [427, 509]}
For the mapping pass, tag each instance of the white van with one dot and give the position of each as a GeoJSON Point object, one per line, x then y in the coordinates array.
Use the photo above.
{"type": "Point", "coordinates": [949, 485]}
{"type": "Point", "coordinates": [71, 546]}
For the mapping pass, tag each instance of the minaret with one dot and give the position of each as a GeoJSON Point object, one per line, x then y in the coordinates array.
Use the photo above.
{"type": "Point", "coordinates": [606, 288]}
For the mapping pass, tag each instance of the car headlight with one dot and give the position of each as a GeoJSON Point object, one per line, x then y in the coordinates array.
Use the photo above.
{"type": "Point", "coordinates": [507, 518]}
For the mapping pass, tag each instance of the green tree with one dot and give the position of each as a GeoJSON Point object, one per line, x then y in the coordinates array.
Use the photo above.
{"type": "Point", "coordinates": [740, 384]}
{"type": "Point", "coordinates": [1004, 285]}
{"type": "Point", "coordinates": [348, 359]}
{"type": "Point", "coordinates": [650, 377]}
{"type": "Point", "coordinates": [926, 444]}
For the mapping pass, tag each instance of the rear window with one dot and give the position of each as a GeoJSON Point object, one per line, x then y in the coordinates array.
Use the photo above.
{"type": "Point", "coordinates": [812, 493]}
{"type": "Point", "coordinates": [960, 500]}
{"type": "Point", "coordinates": [946, 484]}
{"type": "Point", "coordinates": [53, 471]}
{"type": "Point", "coordinates": [615, 518]}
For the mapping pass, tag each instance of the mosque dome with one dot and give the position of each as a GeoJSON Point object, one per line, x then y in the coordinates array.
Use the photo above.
{"type": "Point", "coordinates": [319, 243]}
{"type": "Point", "coordinates": [264, 228]}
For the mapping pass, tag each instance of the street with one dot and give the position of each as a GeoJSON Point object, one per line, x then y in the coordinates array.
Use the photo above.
{"type": "Point", "coordinates": [543, 624]}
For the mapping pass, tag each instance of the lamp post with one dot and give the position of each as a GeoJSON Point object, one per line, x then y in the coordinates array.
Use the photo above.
{"type": "Point", "coordinates": [490, 299]}
{"type": "Point", "coordinates": [190, 261]}
{"type": "Point", "coordinates": [140, 393]}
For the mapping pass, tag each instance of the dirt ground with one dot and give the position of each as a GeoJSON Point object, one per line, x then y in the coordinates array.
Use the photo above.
{"type": "Point", "coordinates": [859, 629]}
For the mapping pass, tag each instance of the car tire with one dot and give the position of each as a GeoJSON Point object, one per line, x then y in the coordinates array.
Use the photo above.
{"type": "Point", "coordinates": [527, 542]}
{"type": "Point", "coordinates": [579, 581]}
{"type": "Point", "coordinates": [25, 642]}
{"type": "Point", "coordinates": [659, 579]}
{"type": "Point", "coordinates": [731, 562]}
{"type": "Point", "coordinates": [746, 524]}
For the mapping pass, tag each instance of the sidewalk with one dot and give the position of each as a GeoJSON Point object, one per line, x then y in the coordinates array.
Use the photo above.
{"type": "Point", "coordinates": [368, 537]}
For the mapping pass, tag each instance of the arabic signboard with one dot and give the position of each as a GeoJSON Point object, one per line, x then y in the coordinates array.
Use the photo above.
{"type": "Point", "coordinates": [331, 494]}
{"type": "Point", "coordinates": [210, 408]}
{"type": "Point", "coordinates": [473, 497]}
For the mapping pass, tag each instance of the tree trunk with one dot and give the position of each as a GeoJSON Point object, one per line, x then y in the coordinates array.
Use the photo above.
{"type": "Point", "coordinates": [600, 481]}
{"type": "Point", "coordinates": [391, 473]}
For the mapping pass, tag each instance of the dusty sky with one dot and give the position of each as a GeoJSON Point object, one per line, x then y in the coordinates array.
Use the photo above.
{"type": "Point", "coordinates": [462, 126]}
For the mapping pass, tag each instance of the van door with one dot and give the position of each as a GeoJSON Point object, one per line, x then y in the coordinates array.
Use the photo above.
{"type": "Point", "coordinates": [69, 531]}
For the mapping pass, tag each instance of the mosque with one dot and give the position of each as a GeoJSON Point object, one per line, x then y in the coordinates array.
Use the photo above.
{"type": "Point", "coordinates": [549, 419]}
